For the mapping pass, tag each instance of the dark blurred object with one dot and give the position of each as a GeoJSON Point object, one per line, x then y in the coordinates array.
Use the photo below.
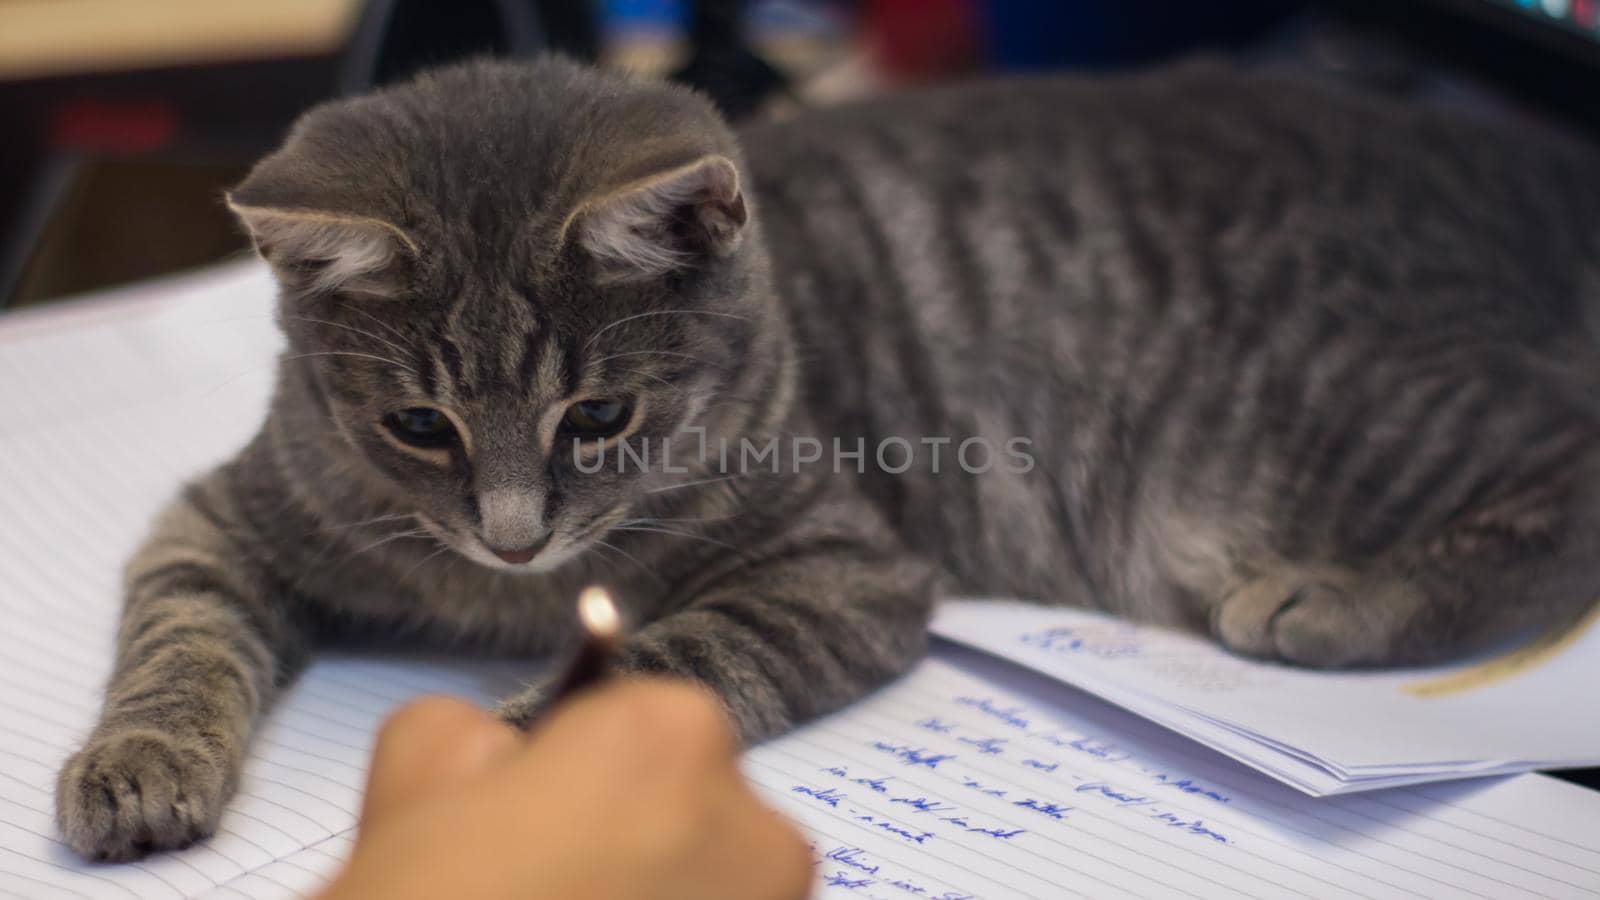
{"type": "Point", "coordinates": [115, 222]}
{"type": "Point", "coordinates": [396, 38]}
{"type": "Point", "coordinates": [104, 127]}
{"type": "Point", "coordinates": [159, 137]}
{"type": "Point", "coordinates": [920, 39]}
{"type": "Point", "coordinates": [915, 40]}
{"type": "Point", "coordinates": [1546, 57]}
{"type": "Point", "coordinates": [723, 64]}
{"type": "Point", "coordinates": [1032, 34]}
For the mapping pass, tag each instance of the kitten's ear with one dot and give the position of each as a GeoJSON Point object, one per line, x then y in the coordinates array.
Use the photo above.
{"type": "Point", "coordinates": [668, 221]}
{"type": "Point", "coordinates": [314, 243]}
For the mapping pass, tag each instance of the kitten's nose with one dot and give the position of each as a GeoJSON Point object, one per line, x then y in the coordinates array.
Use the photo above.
{"type": "Point", "coordinates": [511, 528]}
{"type": "Point", "coordinates": [518, 557]}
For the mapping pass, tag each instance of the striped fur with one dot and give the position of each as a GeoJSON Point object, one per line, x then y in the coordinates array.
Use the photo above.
{"type": "Point", "coordinates": [1312, 373]}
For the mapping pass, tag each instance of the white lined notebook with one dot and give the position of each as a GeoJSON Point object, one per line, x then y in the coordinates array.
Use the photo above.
{"type": "Point", "coordinates": [968, 778]}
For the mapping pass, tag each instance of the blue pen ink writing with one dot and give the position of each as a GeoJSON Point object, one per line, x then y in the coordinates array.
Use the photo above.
{"type": "Point", "coordinates": [1100, 749]}
{"type": "Point", "coordinates": [1099, 643]}
{"type": "Point", "coordinates": [922, 804]}
{"type": "Point", "coordinates": [1000, 833]}
{"type": "Point", "coordinates": [829, 796]}
{"type": "Point", "coordinates": [1188, 786]}
{"type": "Point", "coordinates": [1053, 810]}
{"type": "Point", "coordinates": [1193, 826]}
{"type": "Point", "coordinates": [848, 882]}
{"type": "Point", "coordinates": [1101, 789]}
{"type": "Point", "coordinates": [1011, 716]}
{"type": "Point", "coordinates": [986, 746]}
{"type": "Point", "coordinates": [896, 830]}
{"type": "Point", "coordinates": [878, 785]}
{"type": "Point", "coordinates": [913, 756]}
{"type": "Point", "coordinates": [982, 788]}
{"type": "Point", "coordinates": [852, 857]}
{"type": "Point", "coordinates": [1041, 765]}
{"type": "Point", "coordinates": [933, 724]}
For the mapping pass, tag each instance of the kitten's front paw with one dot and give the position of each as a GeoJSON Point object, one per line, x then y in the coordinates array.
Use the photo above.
{"type": "Point", "coordinates": [138, 791]}
{"type": "Point", "coordinates": [1318, 618]}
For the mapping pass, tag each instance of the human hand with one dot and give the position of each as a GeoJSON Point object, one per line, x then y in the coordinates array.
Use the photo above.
{"type": "Point", "coordinates": [631, 790]}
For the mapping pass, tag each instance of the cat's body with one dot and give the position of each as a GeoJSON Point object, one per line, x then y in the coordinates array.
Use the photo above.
{"type": "Point", "coordinates": [1243, 321]}
{"type": "Point", "coordinates": [1318, 375]}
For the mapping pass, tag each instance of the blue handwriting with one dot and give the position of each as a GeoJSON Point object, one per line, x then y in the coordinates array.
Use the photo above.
{"type": "Point", "coordinates": [896, 830]}
{"type": "Point", "coordinates": [922, 804]}
{"type": "Point", "coordinates": [1010, 716]}
{"type": "Point", "coordinates": [986, 746]}
{"type": "Point", "coordinates": [1072, 641]}
{"type": "Point", "coordinates": [1192, 826]}
{"type": "Point", "coordinates": [1053, 810]}
{"type": "Point", "coordinates": [1188, 786]}
{"type": "Point", "coordinates": [1101, 789]}
{"type": "Point", "coordinates": [829, 796]}
{"type": "Point", "coordinates": [913, 756]}
{"type": "Point", "coordinates": [851, 856]}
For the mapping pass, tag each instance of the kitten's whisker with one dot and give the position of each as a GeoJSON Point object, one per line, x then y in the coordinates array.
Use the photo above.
{"type": "Point", "coordinates": [689, 484]}
{"type": "Point", "coordinates": [660, 312]}
{"type": "Point", "coordinates": [654, 378]}
{"type": "Point", "coordinates": [650, 520]}
{"type": "Point", "coordinates": [703, 362]}
{"type": "Point", "coordinates": [376, 321]}
{"type": "Point", "coordinates": [415, 532]}
{"type": "Point", "coordinates": [598, 544]}
{"type": "Point", "coordinates": [361, 331]}
{"type": "Point", "coordinates": [392, 517]}
{"type": "Point", "coordinates": [421, 562]}
{"type": "Point", "coordinates": [674, 533]}
{"type": "Point", "coordinates": [382, 359]}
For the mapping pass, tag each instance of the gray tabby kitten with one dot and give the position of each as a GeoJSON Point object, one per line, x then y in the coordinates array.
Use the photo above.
{"type": "Point", "coordinates": [1316, 374]}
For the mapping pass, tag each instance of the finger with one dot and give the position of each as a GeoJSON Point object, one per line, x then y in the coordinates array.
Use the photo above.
{"type": "Point", "coordinates": [428, 744]}
{"type": "Point", "coordinates": [663, 723]}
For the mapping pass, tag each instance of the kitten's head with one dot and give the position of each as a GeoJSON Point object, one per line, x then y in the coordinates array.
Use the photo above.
{"type": "Point", "coordinates": [490, 269]}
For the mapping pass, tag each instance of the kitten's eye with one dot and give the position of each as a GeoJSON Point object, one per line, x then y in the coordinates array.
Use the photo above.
{"type": "Point", "coordinates": [420, 426]}
{"type": "Point", "coordinates": [596, 418]}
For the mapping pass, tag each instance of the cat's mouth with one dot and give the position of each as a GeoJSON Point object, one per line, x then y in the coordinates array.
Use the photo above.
{"type": "Point", "coordinates": [553, 549]}
{"type": "Point", "coordinates": [521, 555]}
{"type": "Point", "coordinates": [541, 555]}
{"type": "Point", "coordinates": [531, 558]}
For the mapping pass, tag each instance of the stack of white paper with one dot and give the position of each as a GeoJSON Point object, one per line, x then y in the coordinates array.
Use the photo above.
{"type": "Point", "coordinates": [1522, 708]}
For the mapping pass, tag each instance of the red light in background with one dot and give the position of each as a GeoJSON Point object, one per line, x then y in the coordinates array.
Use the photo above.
{"type": "Point", "coordinates": [112, 126]}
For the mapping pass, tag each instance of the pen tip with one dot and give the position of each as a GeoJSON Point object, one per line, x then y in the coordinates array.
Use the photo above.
{"type": "Point", "coordinates": [597, 612]}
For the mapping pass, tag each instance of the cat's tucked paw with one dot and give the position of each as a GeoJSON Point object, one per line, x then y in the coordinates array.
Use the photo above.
{"type": "Point", "coordinates": [137, 791]}
{"type": "Point", "coordinates": [1312, 618]}
{"type": "Point", "coordinates": [525, 708]}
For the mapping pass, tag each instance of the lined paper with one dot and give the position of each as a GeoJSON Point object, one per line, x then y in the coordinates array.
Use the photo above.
{"type": "Point", "coordinates": [972, 778]}
{"type": "Point", "coordinates": [968, 778]}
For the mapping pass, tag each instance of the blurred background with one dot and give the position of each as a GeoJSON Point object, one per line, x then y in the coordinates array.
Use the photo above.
{"type": "Point", "coordinates": [126, 119]}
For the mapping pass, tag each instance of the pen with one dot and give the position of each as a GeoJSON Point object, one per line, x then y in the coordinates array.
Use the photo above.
{"type": "Point", "coordinates": [601, 625]}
